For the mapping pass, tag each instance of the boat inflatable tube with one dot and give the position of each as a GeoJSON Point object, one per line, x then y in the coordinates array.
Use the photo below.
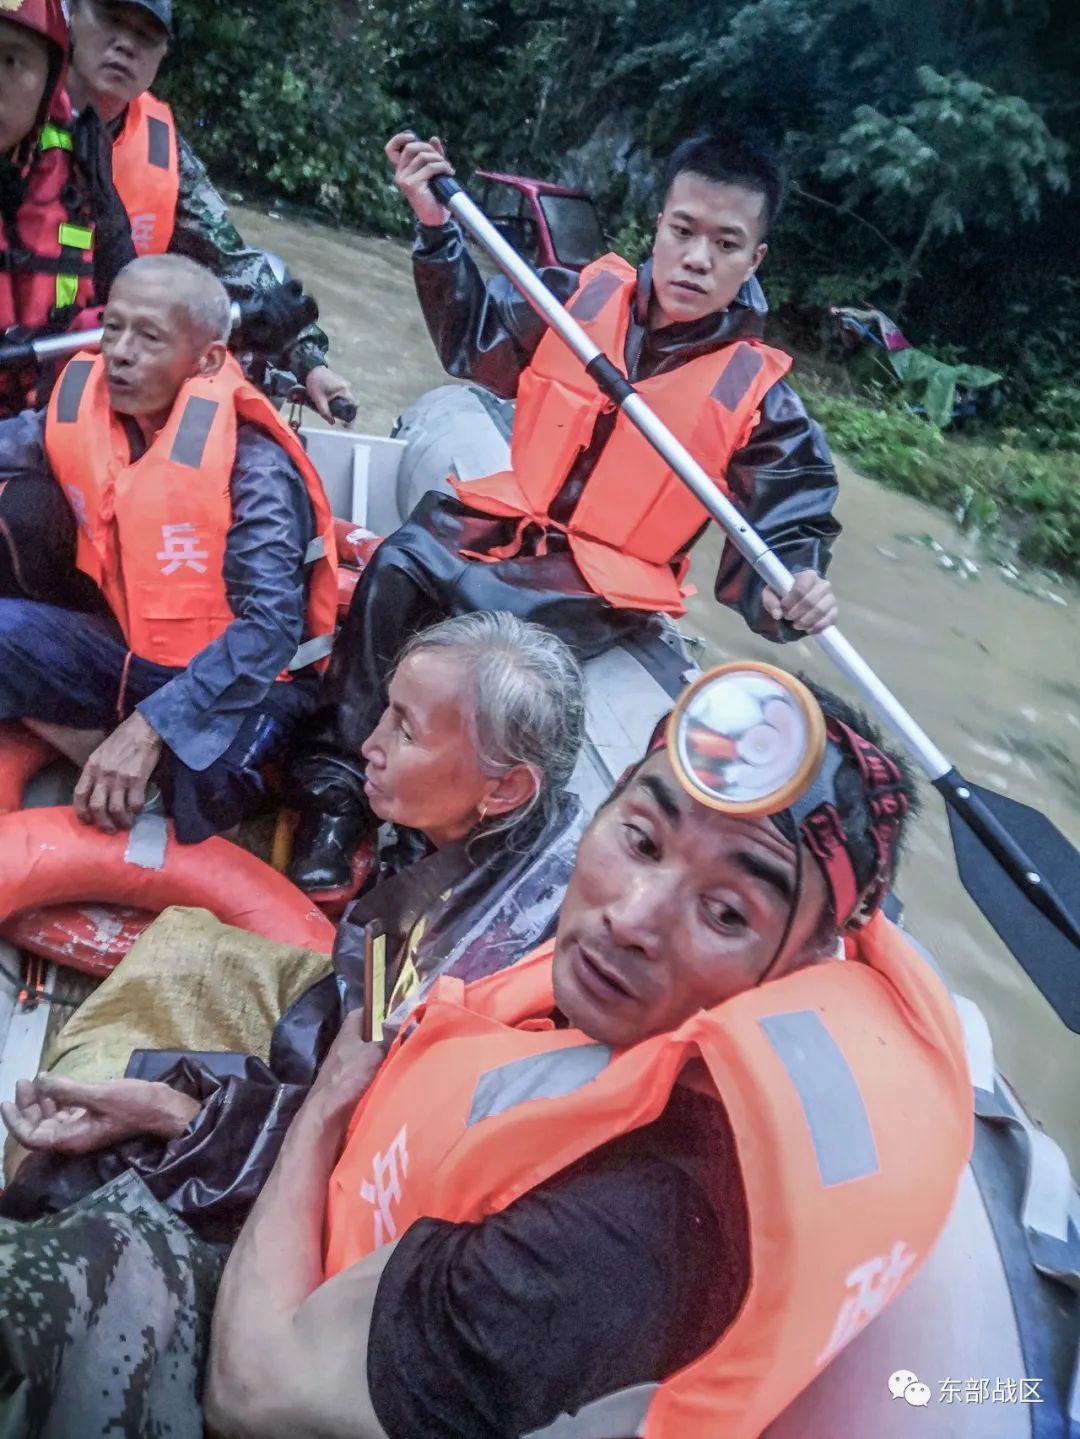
{"type": "Point", "coordinates": [92, 938]}
{"type": "Point", "coordinates": [22, 755]}
{"type": "Point", "coordinates": [48, 856]}
{"type": "Point", "coordinates": [454, 430]}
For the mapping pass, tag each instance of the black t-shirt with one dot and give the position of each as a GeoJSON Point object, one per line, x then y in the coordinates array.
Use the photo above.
{"type": "Point", "coordinates": [620, 1270]}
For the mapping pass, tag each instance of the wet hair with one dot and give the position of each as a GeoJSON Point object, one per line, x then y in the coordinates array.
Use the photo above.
{"type": "Point", "coordinates": [194, 288]}
{"type": "Point", "coordinates": [529, 706]}
{"type": "Point", "coordinates": [727, 158]}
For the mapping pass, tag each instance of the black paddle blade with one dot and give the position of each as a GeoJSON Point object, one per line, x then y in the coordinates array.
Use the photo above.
{"type": "Point", "coordinates": [1043, 945]}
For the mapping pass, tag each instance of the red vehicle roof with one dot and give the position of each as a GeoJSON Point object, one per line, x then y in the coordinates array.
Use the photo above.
{"type": "Point", "coordinates": [535, 187]}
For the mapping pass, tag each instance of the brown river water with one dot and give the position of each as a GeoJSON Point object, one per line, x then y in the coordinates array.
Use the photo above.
{"type": "Point", "coordinates": [991, 672]}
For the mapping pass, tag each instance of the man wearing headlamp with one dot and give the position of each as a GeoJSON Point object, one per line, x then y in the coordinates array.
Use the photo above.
{"type": "Point", "coordinates": [654, 1176]}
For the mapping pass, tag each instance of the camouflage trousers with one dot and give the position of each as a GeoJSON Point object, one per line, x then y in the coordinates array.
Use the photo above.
{"type": "Point", "coordinates": [105, 1320]}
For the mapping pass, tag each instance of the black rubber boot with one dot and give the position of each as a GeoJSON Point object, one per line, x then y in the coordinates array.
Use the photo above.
{"type": "Point", "coordinates": [323, 849]}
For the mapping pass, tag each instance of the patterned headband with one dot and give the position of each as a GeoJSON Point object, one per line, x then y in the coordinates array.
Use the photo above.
{"type": "Point", "coordinates": [817, 814]}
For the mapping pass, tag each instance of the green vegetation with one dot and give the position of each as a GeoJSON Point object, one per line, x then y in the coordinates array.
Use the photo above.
{"type": "Point", "coordinates": [929, 147]}
{"type": "Point", "coordinates": [960, 154]}
{"type": "Point", "coordinates": [290, 99]}
{"type": "Point", "coordinates": [1030, 496]}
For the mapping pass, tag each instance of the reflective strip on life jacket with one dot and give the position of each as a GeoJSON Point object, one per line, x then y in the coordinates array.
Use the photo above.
{"type": "Point", "coordinates": [152, 533]}
{"type": "Point", "coordinates": [45, 257]}
{"type": "Point", "coordinates": [69, 392]}
{"type": "Point", "coordinates": [146, 172]}
{"type": "Point", "coordinates": [70, 236]}
{"type": "Point", "coordinates": [828, 1093]}
{"type": "Point", "coordinates": [311, 652]}
{"type": "Point", "coordinates": [831, 1103]}
{"type": "Point", "coordinates": [193, 431]}
{"type": "Point", "coordinates": [73, 237]}
{"type": "Point", "coordinates": [538, 1076]}
{"type": "Point", "coordinates": [846, 1089]}
{"type": "Point", "coordinates": [55, 137]}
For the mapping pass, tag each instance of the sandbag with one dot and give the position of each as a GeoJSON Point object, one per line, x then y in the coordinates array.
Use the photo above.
{"type": "Point", "coordinates": [189, 983]}
{"type": "Point", "coordinates": [22, 754]}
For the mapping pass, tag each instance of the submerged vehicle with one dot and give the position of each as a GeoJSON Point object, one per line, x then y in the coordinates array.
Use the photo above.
{"type": "Point", "coordinates": [931, 387]}
{"type": "Point", "coordinates": [985, 1339]}
{"type": "Point", "coordinates": [547, 224]}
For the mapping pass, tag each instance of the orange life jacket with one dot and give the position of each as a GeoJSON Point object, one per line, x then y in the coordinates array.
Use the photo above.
{"type": "Point", "coordinates": [152, 533]}
{"type": "Point", "coordinates": [45, 253]}
{"type": "Point", "coordinates": [847, 1089]}
{"type": "Point", "coordinates": [146, 173]}
{"type": "Point", "coordinates": [635, 516]}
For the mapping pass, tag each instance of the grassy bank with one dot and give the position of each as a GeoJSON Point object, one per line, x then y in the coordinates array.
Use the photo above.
{"type": "Point", "coordinates": [1029, 497]}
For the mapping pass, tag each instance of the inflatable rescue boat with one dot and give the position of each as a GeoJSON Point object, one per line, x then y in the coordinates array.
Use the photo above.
{"type": "Point", "coordinates": [984, 1344]}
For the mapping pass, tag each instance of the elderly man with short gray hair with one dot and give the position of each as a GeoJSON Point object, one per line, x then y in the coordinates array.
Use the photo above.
{"type": "Point", "coordinates": [202, 535]}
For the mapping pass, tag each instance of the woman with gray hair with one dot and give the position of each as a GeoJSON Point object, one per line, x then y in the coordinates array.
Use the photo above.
{"type": "Point", "coordinates": [467, 768]}
{"type": "Point", "coordinates": [518, 693]}
{"type": "Point", "coordinates": [473, 753]}
{"type": "Point", "coordinates": [523, 693]}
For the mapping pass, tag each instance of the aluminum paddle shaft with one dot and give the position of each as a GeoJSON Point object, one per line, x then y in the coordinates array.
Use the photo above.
{"type": "Point", "coordinates": [18, 353]}
{"type": "Point", "coordinates": [1037, 914]}
{"type": "Point", "coordinates": [615, 385]}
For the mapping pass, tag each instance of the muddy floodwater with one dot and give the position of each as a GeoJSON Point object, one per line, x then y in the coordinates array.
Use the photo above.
{"type": "Point", "coordinates": [992, 673]}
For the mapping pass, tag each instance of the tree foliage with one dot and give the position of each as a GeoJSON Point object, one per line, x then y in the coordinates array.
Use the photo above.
{"type": "Point", "coordinates": [293, 99]}
{"type": "Point", "coordinates": [929, 142]}
{"type": "Point", "coordinates": [960, 153]}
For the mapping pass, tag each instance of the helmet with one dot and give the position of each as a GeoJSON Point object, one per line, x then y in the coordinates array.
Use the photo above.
{"type": "Point", "coordinates": [48, 18]}
{"type": "Point", "coordinates": [44, 16]}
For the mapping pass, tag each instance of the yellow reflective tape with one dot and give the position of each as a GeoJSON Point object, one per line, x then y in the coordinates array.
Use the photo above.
{"type": "Point", "coordinates": [78, 237]}
{"type": "Point", "coordinates": [54, 138]}
{"type": "Point", "coordinates": [67, 291]}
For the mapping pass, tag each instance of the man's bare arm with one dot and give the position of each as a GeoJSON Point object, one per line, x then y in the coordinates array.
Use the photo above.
{"type": "Point", "coordinates": [314, 1372]}
{"type": "Point", "coordinates": [287, 1353]}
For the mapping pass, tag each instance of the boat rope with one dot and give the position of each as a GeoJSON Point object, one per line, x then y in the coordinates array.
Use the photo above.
{"type": "Point", "coordinates": [37, 996]}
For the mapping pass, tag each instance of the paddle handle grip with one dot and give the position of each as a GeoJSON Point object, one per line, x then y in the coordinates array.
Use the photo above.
{"type": "Point", "coordinates": [444, 188]}
{"type": "Point", "coordinates": [16, 355]}
{"type": "Point", "coordinates": [344, 409]}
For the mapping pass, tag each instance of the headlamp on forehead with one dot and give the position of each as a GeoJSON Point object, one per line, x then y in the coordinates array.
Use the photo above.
{"type": "Point", "coordinates": [749, 740]}
{"type": "Point", "coordinates": [746, 739]}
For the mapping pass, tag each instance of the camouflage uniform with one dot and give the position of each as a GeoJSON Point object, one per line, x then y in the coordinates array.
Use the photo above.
{"type": "Point", "coordinates": [205, 233]}
{"type": "Point", "coordinates": [105, 1320]}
